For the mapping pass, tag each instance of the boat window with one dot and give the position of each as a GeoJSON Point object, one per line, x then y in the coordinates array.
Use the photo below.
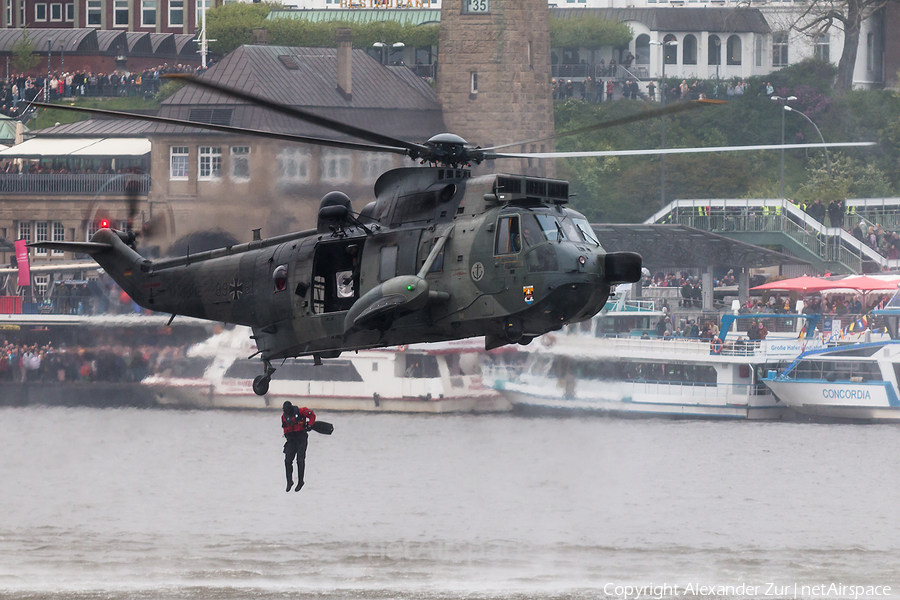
{"type": "Point", "coordinates": [421, 366]}
{"type": "Point", "coordinates": [298, 370]}
{"type": "Point", "coordinates": [550, 227]}
{"type": "Point", "coordinates": [837, 370]}
{"type": "Point", "coordinates": [192, 366]}
{"type": "Point", "coordinates": [650, 372]}
{"type": "Point", "coordinates": [508, 239]}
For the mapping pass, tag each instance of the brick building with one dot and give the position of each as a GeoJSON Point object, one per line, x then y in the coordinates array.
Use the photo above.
{"type": "Point", "coordinates": [151, 16]}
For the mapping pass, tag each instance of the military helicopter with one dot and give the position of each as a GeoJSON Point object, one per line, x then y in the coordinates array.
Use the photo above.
{"type": "Point", "coordinates": [442, 254]}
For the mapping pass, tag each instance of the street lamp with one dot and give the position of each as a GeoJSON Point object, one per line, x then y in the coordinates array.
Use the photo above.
{"type": "Point", "coordinates": [827, 159]}
{"type": "Point", "coordinates": [384, 49]}
{"type": "Point", "coordinates": [783, 102]}
{"type": "Point", "coordinates": [664, 93]}
{"type": "Point", "coordinates": [47, 81]}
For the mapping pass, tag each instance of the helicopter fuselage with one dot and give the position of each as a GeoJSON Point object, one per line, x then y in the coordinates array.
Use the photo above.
{"type": "Point", "coordinates": [440, 255]}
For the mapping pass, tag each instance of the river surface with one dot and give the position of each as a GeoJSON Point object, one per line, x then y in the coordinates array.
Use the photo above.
{"type": "Point", "coordinates": [133, 503]}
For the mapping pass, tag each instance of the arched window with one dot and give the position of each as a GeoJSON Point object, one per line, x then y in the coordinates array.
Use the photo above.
{"type": "Point", "coordinates": [733, 51]}
{"type": "Point", "coordinates": [642, 49]}
{"type": "Point", "coordinates": [670, 53]}
{"type": "Point", "coordinates": [689, 51]}
{"type": "Point", "coordinates": [714, 50]}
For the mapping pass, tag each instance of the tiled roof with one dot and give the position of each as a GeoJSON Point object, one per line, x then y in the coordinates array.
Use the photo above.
{"type": "Point", "coordinates": [391, 100]}
{"type": "Point", "coordinates": [95, 128]}
{"type": "Point", "coordinates": [407, 17]}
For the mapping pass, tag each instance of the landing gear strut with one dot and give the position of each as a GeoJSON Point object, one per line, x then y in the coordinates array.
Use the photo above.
{"type": "Point", "coordinates": [261, 382]}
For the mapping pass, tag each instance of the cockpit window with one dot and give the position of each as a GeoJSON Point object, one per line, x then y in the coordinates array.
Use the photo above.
{"type": "Point", "coordinates": [531, 231]}
{"type": "Point", "coordinates": [508, 239]}
{"type": "Point", "coordinates": [550, 227]}
{"type": "Point", "coordinates": [585, 231]}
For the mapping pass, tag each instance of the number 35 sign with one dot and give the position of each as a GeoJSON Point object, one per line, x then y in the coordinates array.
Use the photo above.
{"type": "Point", "coordinates": [476, 7]}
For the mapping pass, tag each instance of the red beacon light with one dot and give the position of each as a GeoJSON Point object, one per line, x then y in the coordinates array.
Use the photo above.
{"type": "Point", "coordinates": [104, 224]}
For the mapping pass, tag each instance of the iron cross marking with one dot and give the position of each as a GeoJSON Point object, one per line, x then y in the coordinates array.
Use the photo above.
{"type": "Point", "coordinates": [236, 288]}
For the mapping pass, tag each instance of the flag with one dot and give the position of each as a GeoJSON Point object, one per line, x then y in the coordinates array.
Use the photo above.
{"type": "Point", "coordinates": [22, 262]}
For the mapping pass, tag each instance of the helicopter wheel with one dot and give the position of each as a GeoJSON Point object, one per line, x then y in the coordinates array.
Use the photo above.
{"type": "Point", "coordinates": [525, 340]}
{"type": "Point", "coordinates": [260, 385]}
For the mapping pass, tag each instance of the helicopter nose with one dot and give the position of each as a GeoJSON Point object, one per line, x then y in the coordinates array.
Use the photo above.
{"type": "Point", "coordinates": [622, 267]}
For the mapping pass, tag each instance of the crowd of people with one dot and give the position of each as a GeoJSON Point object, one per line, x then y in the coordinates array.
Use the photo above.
{"type": "Point", "coordinates": [16, 91]}
{"type": "Point", "coordinates": [34, 362]}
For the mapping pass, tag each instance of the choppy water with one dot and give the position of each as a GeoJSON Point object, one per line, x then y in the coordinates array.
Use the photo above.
{"type": "Point", "coordinates": [166, 504]}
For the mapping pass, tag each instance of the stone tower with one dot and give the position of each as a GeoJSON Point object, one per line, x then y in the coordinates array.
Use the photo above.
{"type": "Point", "coordinates": [494, 77]}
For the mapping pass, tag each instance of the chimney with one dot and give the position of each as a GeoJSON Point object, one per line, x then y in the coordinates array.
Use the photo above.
{"type": "Point", "coordinates": [344, 40]}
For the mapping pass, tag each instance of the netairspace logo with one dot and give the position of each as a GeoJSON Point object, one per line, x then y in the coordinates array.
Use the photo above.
{"type": "Point", "coordinates": [794, 591]}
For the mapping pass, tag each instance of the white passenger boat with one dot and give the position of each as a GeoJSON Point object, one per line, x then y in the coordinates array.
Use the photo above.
{"type": "Point", "coordinates": [443, 377]}
{"type": "Point", "coordinates": [653, 376]}
{"type": "Point", "coordinates": [853, 382]}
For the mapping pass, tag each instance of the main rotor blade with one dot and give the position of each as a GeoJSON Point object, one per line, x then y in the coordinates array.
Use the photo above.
{"type": "Point", "coordinates": [290, 111]}
{"type": "Point", "coordinates": [648, 114]}
{"type": "Point", "coordinates": [653, 152]}
{"type": "Point", "coordinates": [287, 137]}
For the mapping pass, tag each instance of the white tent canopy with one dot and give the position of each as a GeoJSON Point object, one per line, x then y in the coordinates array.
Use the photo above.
{"type": "Point", "coordinates": [78, 147]}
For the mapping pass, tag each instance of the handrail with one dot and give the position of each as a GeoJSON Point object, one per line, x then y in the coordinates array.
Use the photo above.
{"type": "Point", "coordinates": [774, 215]}
{"type": "Point", "coordinates": [73, 183]}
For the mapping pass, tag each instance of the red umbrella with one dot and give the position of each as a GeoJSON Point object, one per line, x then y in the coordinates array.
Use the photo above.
{"type": "Point", "coordinates": [799, 284]}
{"type": "Point", "coordinates": [864, 283]}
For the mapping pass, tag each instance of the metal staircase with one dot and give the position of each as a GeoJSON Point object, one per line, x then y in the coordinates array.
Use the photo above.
{"type": "Point", "coordinates": [779, 223]}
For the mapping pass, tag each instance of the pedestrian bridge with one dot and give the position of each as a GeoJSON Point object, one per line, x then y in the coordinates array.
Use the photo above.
{"type": "Point", "coordinates": [779, 223]}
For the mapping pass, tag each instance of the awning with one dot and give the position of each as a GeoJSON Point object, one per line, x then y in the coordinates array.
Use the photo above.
{"type": "Point", "coordinates": [63, 147]}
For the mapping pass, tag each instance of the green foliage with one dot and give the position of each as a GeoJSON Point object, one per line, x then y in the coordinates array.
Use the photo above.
{"type": "Point", "coordinates": [627, 189]}
{"type": "Point", "coordinates": [811, 72]}
{"type": "Point", "coordinates": [23, 56]}
{"type": "Point", "coordinates": [49, 117]}
{"type": "Point", "coordinates": [589, 32]}
{"type": "Point", "coordinates": [167, 89]}
{"type": "Point", "coordinates": [232, 25]}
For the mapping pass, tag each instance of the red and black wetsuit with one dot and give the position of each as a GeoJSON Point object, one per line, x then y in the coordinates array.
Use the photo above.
{"type": "Point", "coordinates": [296, 436]}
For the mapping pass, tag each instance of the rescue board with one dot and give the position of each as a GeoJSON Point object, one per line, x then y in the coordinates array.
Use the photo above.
{"type": "Point", "coordinates": [323, 427]}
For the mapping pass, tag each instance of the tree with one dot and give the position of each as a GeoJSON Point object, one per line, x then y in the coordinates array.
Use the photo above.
{"type": "Point", "coordinates": [23, 56]}
{"type": "Point", "coordinates": [820, 16]}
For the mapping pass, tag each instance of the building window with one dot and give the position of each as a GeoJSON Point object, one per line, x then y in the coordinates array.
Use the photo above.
{"type": "Point", "coordinates": [24, 231]}
{"type": "Point", "coordinates": [178, 162]}
{"type": "Point", "coordinates": [210, 163]}
{"type": "Point", "coordinates": [202, 6]}
{"type": "Point", "coordinates": [373, 164]}
{"type": "Point", "coordinates": [293, 165]}
{"type": "Point", "coordinates": [40, 12]}
{"type": "Point", "coordinates": [733, 51]}
{"type": "Point", "coordinates": [335, 166]}
{"type": "Point", "coordinates": [823, 47]}
{"type": "Point", "coordinates": [473, 82]}
{"type": "Point", "coordinates": [148, 13]}
{"type": "Point", "coordinates": [94, 18]}
{"type": "Point", "coordinates": [70, 12]}
{"type": "Point", "coordinates": [689, 51]}
{"type": "Point", "coordinates": [240, 163]}
{"type": "Point", "coordinates": [56, 13]}
{"type": "Point", "coordinates": [120, 13]}
{"type": "Point", "coordinates": [58, 235]}
{"type": "Point", "coordinates": [41, 235]}
{"type": "Point", "coordinates": [21, 12]}
{"type": "Point", "coordinates": [758, 50]}
{"type": "Point", "coordinates": [92, 228]}
{"type": "Point", "coordinates": [780, 49]}
{"type": "Point", "coordinates": [870, 52]}
{"type": "Point", "coordinates": [670, 52]}
{"type": "Point", "coordinates": [176, 13]}
{"type": "Point", "coordinates": [40, 284]}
